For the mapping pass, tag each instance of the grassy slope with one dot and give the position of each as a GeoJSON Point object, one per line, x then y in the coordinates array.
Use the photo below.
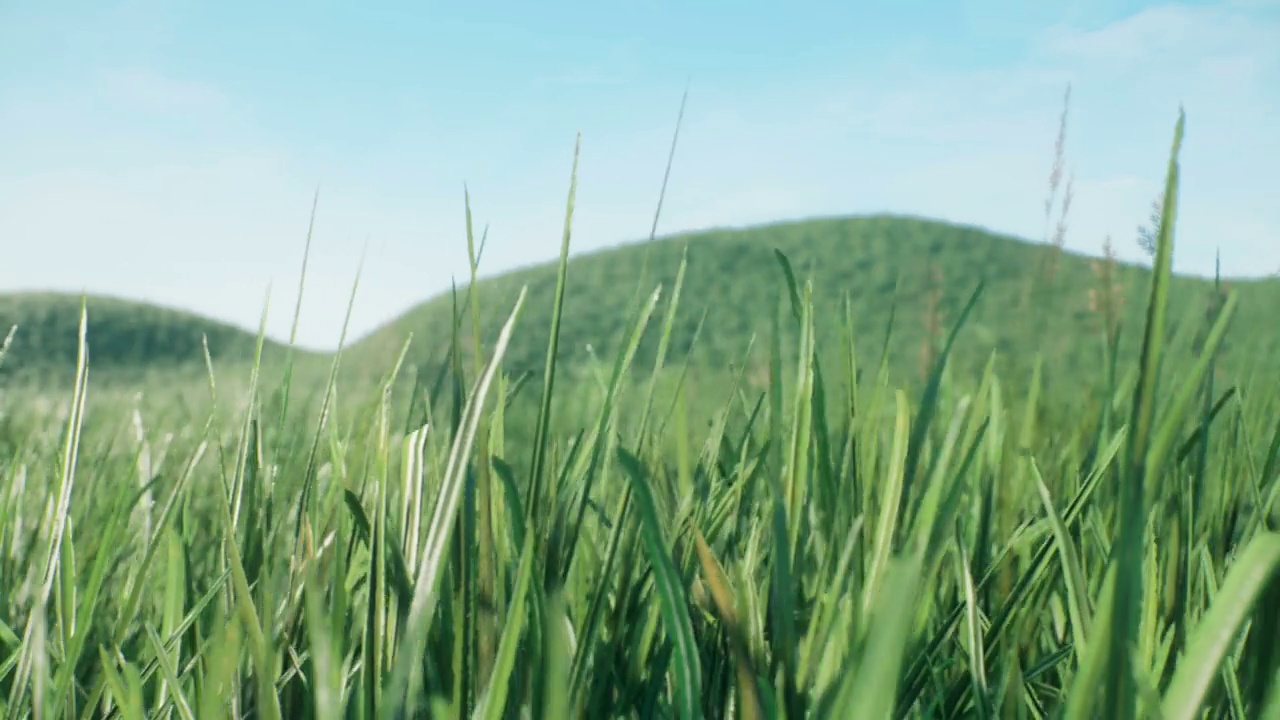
{"type": "Point", "coordinates": [886, 266]}
{"type": "Point", "coordinates": [734, 277]}
{"type": "Point", "coordinates": [128, 340]}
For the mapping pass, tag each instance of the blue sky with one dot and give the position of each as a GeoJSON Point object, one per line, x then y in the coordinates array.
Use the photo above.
{"type": "Point", "coordinates": [169, 151]}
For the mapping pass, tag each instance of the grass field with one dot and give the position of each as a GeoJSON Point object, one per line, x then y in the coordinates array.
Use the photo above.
{"type": "Point", "coordinates": [820, 532]}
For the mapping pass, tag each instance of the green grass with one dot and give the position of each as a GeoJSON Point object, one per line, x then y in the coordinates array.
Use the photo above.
{"type": "Point", "coordinates": [1000, 534]}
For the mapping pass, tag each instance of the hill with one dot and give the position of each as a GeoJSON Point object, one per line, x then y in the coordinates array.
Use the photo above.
{"type": "Point", "coordinates": [912, 272]}
{"type": "Point", "coordinates": [127, 340]}
{"type": "Point", "coordinates": [917, 272]}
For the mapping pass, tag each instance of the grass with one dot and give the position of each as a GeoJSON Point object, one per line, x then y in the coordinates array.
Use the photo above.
{"type": "Point", "coordinates": [1093, 543]}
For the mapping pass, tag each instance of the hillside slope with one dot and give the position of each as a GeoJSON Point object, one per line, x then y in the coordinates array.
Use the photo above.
{"type": "Point", "coordinates": [1035, 299]}
{"type": "Point", "coordinates": [126, 339]}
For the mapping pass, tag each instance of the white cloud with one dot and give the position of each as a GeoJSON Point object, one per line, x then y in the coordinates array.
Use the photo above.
{"type": "Point", "coordinates": [145, 89]}
{"type": "Point", "coordinates": [616, 67]}
{"type": "Point", "coordinates": [1164, 31]}
{"type": "Point", "coordinates": [1138, 37]}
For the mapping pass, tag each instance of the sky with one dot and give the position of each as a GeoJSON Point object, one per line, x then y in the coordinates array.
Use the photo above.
{"type": "Point", "coordinates": [170, 151]}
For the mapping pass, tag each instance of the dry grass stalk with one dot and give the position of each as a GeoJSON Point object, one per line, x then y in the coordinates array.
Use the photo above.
{"type": "Point", "coordinates": [931, 345]}
{"type": "Point", "coordinates": [1107, 299]}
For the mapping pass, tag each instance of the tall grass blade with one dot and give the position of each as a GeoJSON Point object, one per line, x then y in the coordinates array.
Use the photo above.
{"type": "Point", "coordinates": [1209, 644]}
{"type": "Point", "coordinates": [406, 669]}
{"type": "Point", "coordinates": [687, 681]}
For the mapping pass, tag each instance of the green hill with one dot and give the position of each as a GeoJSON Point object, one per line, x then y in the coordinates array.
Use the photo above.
{"type": "Point", "coordinates": [127, 340]}
{"type": "Point", "coordinates": [919, 273]}
{"type": "Point", "coordinates": [1035, 299]}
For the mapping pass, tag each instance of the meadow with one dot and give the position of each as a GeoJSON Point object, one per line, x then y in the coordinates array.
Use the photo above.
{"type": "Point", "coordinates": [853, 514]}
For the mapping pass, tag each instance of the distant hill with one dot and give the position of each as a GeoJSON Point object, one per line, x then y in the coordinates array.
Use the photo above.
{"type": "Point", "coordinates": [916, 272]}
{"type": "Point", "coordinates": [126, 339]}
{"type": "Point", "coordinates": [1035, 298]}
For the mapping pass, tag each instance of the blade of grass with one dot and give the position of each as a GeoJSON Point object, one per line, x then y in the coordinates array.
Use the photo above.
{"type": "Point", "coordinates": [406, 669]}
{"type": "Point", "coordinates": [1209, 644]}
{"type": "Point", "coordinates": [687, 682]}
